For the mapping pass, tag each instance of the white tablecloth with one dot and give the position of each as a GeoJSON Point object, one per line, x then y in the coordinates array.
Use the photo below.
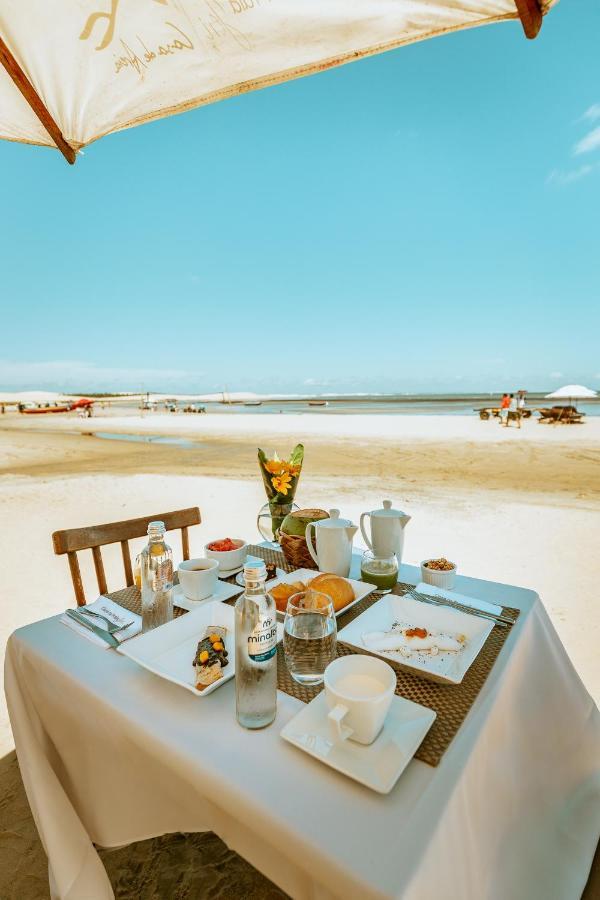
{"type": "Point", "coordinates": [112, 754]}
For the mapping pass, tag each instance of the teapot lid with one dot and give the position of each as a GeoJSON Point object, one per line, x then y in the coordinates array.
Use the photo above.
{"type": "Point", "coordinates": [387, 510]}
{"type": "Point", "coordinates": [333, 521]}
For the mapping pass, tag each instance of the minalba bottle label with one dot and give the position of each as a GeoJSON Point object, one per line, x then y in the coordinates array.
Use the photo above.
{"type": "Point", "coordinates": [262, 640]}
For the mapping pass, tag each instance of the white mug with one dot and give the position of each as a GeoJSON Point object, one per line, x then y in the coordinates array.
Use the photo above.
{"type": "Point", "coordinates": [358, 690]}
{"type": "Point", "coordinates": [198, 577]}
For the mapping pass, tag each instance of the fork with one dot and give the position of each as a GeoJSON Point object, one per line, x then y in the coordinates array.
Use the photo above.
{"type": "Point", "coordinates": [110, 626]}
{"type": "Point", "coordinates": [501, 621]}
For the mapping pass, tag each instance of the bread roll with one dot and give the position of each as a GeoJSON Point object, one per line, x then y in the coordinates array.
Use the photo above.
{"type": "Point", "coordinates": [339, 589]}
{"type": "Point", "coordinates": [282, 592]}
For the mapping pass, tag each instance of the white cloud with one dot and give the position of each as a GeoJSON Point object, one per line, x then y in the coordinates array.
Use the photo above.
{"type": "Point", "coordinates": [79, 375]}
{"type": "Point", "coordinates": [592, 113]}
{"type": "Point", "coordinates": [590, 142]}
{"type": "Point", "coordinates": [562, 178]}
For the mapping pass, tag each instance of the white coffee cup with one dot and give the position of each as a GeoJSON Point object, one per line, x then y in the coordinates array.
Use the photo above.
{"type": "Point", "coordinates": [358, 690]}
{"type": "Point", "coordinates": [198, 577]}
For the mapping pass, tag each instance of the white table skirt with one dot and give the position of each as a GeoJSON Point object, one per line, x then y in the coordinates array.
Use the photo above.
{"type": "Point", "coordinates": [112, 754]}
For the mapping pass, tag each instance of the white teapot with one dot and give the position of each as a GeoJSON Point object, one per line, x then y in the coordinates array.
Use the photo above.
{"type": "Point", "coordinates": [334, 538]}
{"type": "Point", "coordinates": [387, 530]}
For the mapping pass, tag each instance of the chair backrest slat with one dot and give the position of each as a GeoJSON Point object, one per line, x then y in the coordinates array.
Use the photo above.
{"type": "Point", "coordinates": [76, 578]}
{"type": "Point", "coordinates": [185, 542]}
{"type": "Point", "coordinates": [93, 537]}
{"type": "Point", "coordinates": [127, 563]}
{"type": "Point", "coordinates": [99, 567]}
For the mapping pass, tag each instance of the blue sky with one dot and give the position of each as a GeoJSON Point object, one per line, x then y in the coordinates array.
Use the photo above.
{"type": "Point", "coordinates": [422, 220]}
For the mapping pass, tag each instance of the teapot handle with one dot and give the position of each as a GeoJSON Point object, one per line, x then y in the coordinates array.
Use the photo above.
{"type": "Point", "coordinates": [363, 530]}
{"type": "Point", "coordinates": [309, 541]}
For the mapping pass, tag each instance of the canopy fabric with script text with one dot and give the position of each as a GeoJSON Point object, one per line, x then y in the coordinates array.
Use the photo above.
{"type": "Point", "coordinates": [75, 70]}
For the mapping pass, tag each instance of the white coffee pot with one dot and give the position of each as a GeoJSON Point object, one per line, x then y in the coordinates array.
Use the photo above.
{"type": "Point", "coordinates": [387, 530]}
{"type": "Point", "coordinates": [333, 537]}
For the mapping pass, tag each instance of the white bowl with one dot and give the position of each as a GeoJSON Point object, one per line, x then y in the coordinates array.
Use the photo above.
{"type": "Point", "coordinates": [228, 559]}
{"type": "Point", "coordinates": [438, 578]}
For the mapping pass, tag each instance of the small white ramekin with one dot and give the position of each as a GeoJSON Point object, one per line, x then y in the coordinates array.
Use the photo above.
{"type": "Point", "coordinates": [437, 577]}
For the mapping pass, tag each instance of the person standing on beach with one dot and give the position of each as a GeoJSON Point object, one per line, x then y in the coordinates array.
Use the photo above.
{"type": "Point", "coordinates": [513, 411]}
{"type": "Point", "coordinates": [504, 404]}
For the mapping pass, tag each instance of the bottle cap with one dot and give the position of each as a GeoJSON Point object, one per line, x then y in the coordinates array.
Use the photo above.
{"type": "Point", "coordinates": [156, 527]}
{"type": "Point", "coordinates": [254, 568]}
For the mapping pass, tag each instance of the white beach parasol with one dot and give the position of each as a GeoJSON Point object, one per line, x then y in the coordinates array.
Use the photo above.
{"type": "Point", "coordinates": [72, 72]}
{"type": "Point", "coordinates": [572, 392]}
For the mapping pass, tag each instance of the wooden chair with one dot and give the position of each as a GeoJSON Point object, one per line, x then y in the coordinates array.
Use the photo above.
{"type": "Point", "coordinates": [95, 536]}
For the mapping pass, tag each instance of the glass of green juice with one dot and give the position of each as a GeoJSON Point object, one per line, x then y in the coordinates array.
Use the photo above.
{"type": "Point", "coordinates": [382, 571]}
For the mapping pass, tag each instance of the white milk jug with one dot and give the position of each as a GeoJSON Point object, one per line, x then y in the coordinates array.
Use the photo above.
{"type": "Point", "coordinates": [387, 530]}
{"type": "Point", "coordinates": [333, 538]}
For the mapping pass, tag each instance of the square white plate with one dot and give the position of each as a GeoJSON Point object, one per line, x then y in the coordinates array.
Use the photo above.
{"type": "Point", "coordinates": [169, 651]}
{"type": "Point", "coordinates": [378, 765]}
{"type": "Point", "coordinates": [446, 667]}
{"type": "Point", "coordinates": [223, 591]}
{"type": "Point", "coordinates": [361, 588]}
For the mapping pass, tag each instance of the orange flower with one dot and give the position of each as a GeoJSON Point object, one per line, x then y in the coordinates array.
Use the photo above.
{"type": "Point", "coordinates": [282, 483]}
{"type": "Point", "coordinates": [274, 466]}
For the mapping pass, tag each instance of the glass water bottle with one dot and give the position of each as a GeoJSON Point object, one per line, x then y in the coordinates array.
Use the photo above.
{"type": "Point", "coordinates": [255, 650]}
{"type": "Point", "coordinates": [156, 563]}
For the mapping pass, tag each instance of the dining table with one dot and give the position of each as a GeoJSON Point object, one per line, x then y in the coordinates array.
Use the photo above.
{"type": "Point", "coordinates": [110, 754]}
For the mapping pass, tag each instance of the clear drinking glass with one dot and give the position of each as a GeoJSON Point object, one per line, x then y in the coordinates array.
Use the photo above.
{"type": "Point", "coordinates": [382, 571]}
{"type": "Point", "coordinates": [309, 636]}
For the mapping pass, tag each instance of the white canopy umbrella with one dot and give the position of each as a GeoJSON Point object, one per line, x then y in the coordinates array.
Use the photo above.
{"type": "Point", "coordinates": [572, 392]}
{"type": "Point", "coordinates": [74, 71]}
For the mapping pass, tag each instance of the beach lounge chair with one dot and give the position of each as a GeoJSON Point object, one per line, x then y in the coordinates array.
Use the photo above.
{"type": "Point", "coordinates": [93, 537]}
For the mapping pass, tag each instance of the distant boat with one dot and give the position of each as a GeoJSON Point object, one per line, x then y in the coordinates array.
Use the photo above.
{"type": "Point", "coordinates": [253, 403]}
{"type": "Point", "coordinates": [318, 403]}
{"type": "Point", "coordinates": [36, 410]}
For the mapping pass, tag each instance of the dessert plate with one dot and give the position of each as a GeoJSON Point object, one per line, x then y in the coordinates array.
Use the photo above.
{"type": "Point", "coordinates": [449, 667]}
{"type": "Point", "coordinates": [361, 588]}
{"type": "Point", "coordinates": [168, 651]}
{"type": "Point", "coordinates": [222, 591]}
{"type": "Point", "coordinates": [378, 765]}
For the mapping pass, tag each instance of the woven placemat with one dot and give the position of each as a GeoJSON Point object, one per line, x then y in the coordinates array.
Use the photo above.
{"type": "Point", "coordinates": [451, 702]}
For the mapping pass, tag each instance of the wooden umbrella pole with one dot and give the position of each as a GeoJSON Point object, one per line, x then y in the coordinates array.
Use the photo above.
{"type": "Point", "coordinates": [530, 15]}
{"type": "Point", "coordinates": [33, 98]}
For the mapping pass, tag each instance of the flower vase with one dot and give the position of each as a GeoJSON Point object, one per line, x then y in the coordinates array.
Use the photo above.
{"type": "Point", "coordinates": [270, 518]}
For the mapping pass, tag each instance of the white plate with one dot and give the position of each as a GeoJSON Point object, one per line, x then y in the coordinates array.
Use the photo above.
{"type": "Point", "coordinates": [378, 765]}
{"type": "Point", "coordinates": [223, 591]}
{"type": "Point", "coordinates": [361, 588]}
{"type": "Point", "coordinates": [169, 651]}
{"type": "Point", "coordinates": [279, 574]}
{"type": "Point", "coordinates": [447, 667]}
{"type": "Point", "coordinates": [227, 573]}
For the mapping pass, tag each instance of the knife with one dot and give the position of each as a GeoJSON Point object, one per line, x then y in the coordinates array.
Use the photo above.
{"type": "Point", "coordinates": [95, 629]}
{"type": "Point", "coordinates": [501, 620]}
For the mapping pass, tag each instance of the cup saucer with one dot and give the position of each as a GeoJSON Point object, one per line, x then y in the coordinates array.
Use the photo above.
{"type": "Point", "coordinates": [222, 591]}
{"type": "Point", "coordinates": [378, 765]}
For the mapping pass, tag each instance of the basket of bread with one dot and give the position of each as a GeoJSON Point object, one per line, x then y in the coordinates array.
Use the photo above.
{"type": "Point", "coordinates": [292, 537]}
{"type": "Point", "coordinates": [338, 589]}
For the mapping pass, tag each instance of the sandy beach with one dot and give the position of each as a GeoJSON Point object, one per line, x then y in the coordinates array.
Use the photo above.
{"type": "Point", "coordinates": [513, 506]}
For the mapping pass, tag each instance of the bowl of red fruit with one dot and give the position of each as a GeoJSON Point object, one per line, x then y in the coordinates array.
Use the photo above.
{"type": "Point", "coordinates": [230, 553]}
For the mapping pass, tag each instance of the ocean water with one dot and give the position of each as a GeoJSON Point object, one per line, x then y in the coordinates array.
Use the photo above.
{"type": "Point", "coordinates": [416, 405]}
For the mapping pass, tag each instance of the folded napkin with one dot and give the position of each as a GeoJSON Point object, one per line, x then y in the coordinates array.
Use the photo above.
{"type": "Point", "coordinates": [482, 605]}
{"type": "Point", "coordinates": [112, 611]}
